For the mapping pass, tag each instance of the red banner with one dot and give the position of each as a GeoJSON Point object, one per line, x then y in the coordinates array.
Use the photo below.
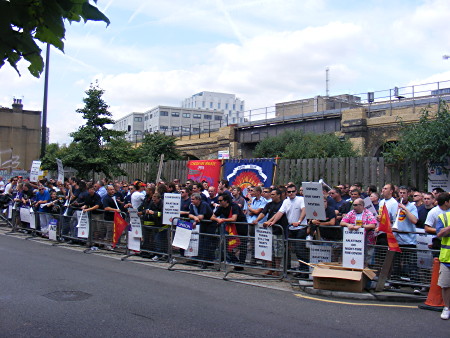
{"type": "Point", "coordinates": [204, 170]}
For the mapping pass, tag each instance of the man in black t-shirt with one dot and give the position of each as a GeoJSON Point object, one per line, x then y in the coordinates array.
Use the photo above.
{"type": "Point", "coordinates": [199, 212]}
{"type": "Point", "coordinates": [229, 212]}
{"type": "Point", "coordinates": [270, 209]}
{"type": "Point", "coordinates": [333, 234]}
{"type": "Point", "coordinates": [92, 203]}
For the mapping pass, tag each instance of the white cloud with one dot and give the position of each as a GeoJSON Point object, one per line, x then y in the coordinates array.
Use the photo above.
{"type": "Point", "coordinates": [264, 51]}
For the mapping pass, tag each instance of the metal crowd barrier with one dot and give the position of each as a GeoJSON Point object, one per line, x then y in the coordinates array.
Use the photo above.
{"type": "Point", "coordinates": [239, 253]}
{"type": "Point", "coordinates": [204, 248]}
{"type": "Point", "coordinates": [218, 249]}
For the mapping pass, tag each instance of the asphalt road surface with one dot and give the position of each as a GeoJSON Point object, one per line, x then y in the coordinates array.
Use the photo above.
{"type": "Point", "coordinates": [50, 291]}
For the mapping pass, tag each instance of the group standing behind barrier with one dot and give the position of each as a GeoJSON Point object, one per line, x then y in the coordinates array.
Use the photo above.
{"type": "Point", "coordinates": [265, 234]}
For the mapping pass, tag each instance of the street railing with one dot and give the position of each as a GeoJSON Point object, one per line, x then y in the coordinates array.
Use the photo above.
{"type": "Point", "coordinates": [224, 251]}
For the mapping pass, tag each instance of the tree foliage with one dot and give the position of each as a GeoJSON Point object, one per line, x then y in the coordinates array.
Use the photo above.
{"type": "Point", "coordinates": [427, 140]}
{"type": "Point", "coordinates": [296, 144]}
{"type": "Point", "coordinates": [24, 21]}
{"type": "Point", "coordinates": [52, 152]}
{"type": "Point", "coordinates": [153, 145]}
{"type": "Point", "coordinates": [92, 149]}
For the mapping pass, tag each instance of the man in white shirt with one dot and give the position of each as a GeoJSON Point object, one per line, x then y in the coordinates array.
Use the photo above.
{"type": "Point", "coordinates": [138, 196]}
{"type": "Point", "coordinates": [432, 217]}
{"type": "Point", "coordinates": [294, 208]}
{"type": "Point", "coordinates": [392, 208]}
{"type": "Point", "coordinates": [2, 185]}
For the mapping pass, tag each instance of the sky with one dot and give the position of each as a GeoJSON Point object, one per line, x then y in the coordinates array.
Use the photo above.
{"type": "Point", "coordinates": [264, 51]}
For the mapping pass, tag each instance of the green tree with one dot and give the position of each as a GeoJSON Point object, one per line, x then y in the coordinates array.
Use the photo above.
{"type": "Point", "coordinates": [296, 144]}
{"type": "Point", "coordinates": [52, 152]}
{"type": "Point", "coordinates": [153, 145]}
{"type": "Point", "coordinates": [24, 21]}
{"type": "Point", "coordinates": [92, 149]}
{"type": "Point", "coordinates": [427, 140]}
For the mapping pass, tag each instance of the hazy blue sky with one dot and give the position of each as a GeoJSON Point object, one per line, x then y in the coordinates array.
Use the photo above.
{"type": "Point", "coordinates": [160, 52]}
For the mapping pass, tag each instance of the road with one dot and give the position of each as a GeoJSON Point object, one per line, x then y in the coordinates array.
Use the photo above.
{"type": "Point", "coordinates": [51, 291]}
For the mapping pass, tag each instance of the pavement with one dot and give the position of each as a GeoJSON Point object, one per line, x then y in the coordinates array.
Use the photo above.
{"type": "Point", "coordinates": [250, 276]}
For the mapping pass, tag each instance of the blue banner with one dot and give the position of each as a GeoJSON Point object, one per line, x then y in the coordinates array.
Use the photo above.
{"type": "Point", "coordinates": [247, 173]}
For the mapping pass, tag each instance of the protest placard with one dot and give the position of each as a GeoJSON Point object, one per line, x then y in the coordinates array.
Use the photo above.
{"type": "Point", "coordinates": [171, 208]}
{"type": "Point", "coordinates": [314, 204]}
{"type": "Point", "coordinates": [83, 225]}
{"type": "Point", "coordinates": [52, 227]}
{"type": "Point", "coordinates": [35, 171]}
{"type": "Point", "coordinates": [353, 248]}
{"type": "Point", "coordinates": [263, 243]}
{"type": "Point", "coordinates": [60, 170]}
{"type": "Point", "coordinates": [183, 234]}
{"type": "Point", "coordinates": [135, 223]}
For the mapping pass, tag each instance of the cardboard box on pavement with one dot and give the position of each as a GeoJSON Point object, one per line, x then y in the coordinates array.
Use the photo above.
{"type": "Point", "coordinates": [337, 278]}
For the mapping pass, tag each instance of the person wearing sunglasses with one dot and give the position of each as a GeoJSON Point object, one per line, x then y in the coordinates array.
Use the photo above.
{"type": "Point", "coordinates": [294, 209]}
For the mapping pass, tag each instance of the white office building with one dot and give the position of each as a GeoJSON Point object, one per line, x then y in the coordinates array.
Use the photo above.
{"type": "Point", "coordinates": [181, 121]}
{"type": "Point", "coordinates": [133, 125]}
{"type": "Point", "coordinates": [229, 104]}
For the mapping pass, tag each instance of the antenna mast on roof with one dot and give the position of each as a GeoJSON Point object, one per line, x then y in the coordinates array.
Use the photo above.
{"type": "Point", "coordinates": [327, 80]}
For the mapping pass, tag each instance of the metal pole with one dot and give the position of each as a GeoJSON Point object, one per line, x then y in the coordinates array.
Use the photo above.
{"type": "Point", "coordinates": [44, 108]}
{"type": "Point", "coordinates": [11, 162]}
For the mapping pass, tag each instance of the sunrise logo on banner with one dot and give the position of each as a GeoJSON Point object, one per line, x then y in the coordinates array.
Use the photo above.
{"type": "Point", "coordinates": [247, 173]}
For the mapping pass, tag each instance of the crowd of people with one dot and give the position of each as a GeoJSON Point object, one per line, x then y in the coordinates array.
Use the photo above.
{"type": "Point", "coordinates": [280, 207]}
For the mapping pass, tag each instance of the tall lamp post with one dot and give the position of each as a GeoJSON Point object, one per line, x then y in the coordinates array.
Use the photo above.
{"type": "Point", "coordinates": [44, 108]}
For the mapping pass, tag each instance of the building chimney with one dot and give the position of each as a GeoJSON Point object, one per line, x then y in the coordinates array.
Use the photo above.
{"type": "Point", "coordinates": [17, 105]}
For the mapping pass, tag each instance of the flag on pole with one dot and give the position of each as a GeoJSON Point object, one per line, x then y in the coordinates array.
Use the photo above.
{"type": "Point", "coordinates": [119, 226]}
{"type": "Point", "coordinates": [385, 226]}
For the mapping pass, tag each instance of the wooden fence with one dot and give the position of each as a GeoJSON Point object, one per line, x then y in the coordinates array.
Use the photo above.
{"type": "Point", "coordinates": [334, 171]}
{"type": "Point", "coordinates": [367, 170]}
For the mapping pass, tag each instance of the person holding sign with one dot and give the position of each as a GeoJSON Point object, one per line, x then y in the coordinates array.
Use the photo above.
{"type": "Point", "coordinates": [110, 206]}
{"type": "Point", "coordinates": [200, 211]}
{"type": "Point", "coordinates": [92, 202]}
{"type": "Point", "coordinates": [270, 209]}
{"type": "Point", "coordinates": [327, 234]}
{"type": "Point", "coordinates": [229, 212]}
{"type": "Point", "coordinates": [360, 217]}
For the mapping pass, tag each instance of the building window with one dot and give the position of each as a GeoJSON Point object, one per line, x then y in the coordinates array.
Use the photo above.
{"type": "Point", "coordinates": [218, 118]}
{"type": "Point", "coordinates": [163, 113]}
{"type": "Point", "coordinates": [146, 117]}
{"type": "Point", "coordinates": [138, 119]}
{"type": "Point", "coordinates": [176, 114]}
{"type": "Point", "coordinates": [203, 104]}
{"type": "Point", "coordinates": [226, 105]}
{"type": "Point", "coordinates": [218, 105]}
{"type": "Point", "coordinates": [186, 129]}
{"type": "Point", "coordinates": [187, 115]}
{"type": "Point", "coordinates": [196, 130]}
{"type": "Point", "coordinates": [207, 117]}
{"type": "Point", "coordinates": [151, 116]}
{"type": "Point", "coordinates": [242, 107]}
{"type": "Point", "coordinates": [197, 116]}
{"type": "Point", "coordinates": [234, 106]}
{"type": "Point", "coordinates": [210, 105]}
{"type": "Point", "coordinates": [164, 128]}
{"type": "Point", "coordinates": [175, 128]}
